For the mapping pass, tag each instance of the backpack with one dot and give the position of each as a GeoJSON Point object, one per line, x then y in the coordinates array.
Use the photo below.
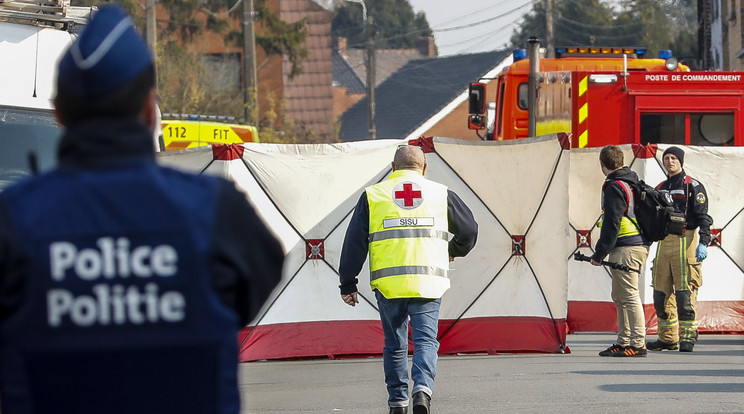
{"type": "Point", "coordinates": [655, 213]}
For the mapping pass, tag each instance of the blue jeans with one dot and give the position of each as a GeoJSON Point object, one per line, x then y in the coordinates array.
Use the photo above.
{"type": "Point", "coordinates": [424, 315]}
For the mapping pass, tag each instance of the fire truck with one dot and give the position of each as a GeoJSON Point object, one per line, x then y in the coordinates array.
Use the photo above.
{"type": "Point", "coordinates": [610, 96]}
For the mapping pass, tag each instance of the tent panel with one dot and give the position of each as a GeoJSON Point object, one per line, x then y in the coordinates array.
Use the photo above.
{"type": "Point", "coordinates": [469, 275]}
{"type": "Point", "coordinates": [590, 316]}
{"type": "Point", "coordinates": [309, 182]}
{"type": "Point", "coordinates": [587, 282]}
{"type": "Point", "coordinates": [244, 181]}
{"type": "Point", "coordinates": [504, 174]}
{"type": "Point", "coordinates": [715, 285]}
{"type": "Point", "coordinates": [192, 160]}
{"type": "Point", "coordinates": [514, 292]}
{"type": "Point", "coordinates": [327, 339]}
{"type": "Point", "coordinates": [334, 339]}
{"type": "Point", "coordinates": [502, 334]}
{"type": "Point", "coordinates": [313, 295]}
{"type": "Point", "coordinates": [548, 243]}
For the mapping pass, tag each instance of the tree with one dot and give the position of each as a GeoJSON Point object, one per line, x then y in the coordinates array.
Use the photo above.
{"type": "Point", "coordinates": [576, 23]}
{"type": "Point", "coordinates": [191, 83]}
{"type": "Point", "coordinates": [396, 24]}
{"type": "Point", "coordinates": [655, 24]}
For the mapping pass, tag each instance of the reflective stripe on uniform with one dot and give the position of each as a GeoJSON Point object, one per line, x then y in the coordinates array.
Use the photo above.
{"type": "Point", "coordinates": [408, 233]}
{"type": "Point", "coordinates": [408, 270]}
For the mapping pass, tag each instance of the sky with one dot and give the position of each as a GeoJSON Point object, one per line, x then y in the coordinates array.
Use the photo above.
{"type": "Point", "coordinates": [472, 26]}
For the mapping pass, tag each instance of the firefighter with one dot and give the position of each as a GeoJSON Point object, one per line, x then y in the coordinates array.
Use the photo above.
{"type": "Point", "coordinates": [403, 223]}
{"type": "Point", "coordinates": [677, 266]}
{"type": "Point", "coordinates": [622, 240]}
{"type": "Point", "coordinates": [123, 284]}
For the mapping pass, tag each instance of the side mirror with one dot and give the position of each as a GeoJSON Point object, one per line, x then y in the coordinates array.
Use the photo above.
{"type": "Point", "coordinates": [477, 98]}
{"type": "Point", "coordinates": [476, 122]}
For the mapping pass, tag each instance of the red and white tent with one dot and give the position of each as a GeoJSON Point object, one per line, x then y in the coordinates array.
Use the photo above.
{"type": "Point", "coordinates": [721, 298]}
{"type": "Point", "coordinates": [508, 295]}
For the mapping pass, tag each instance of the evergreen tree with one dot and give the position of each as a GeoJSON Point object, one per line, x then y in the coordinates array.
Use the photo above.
{"type": "Point", "coordinates": [396, 24]}
{"type": "Point", "coordinates": [655, 24]}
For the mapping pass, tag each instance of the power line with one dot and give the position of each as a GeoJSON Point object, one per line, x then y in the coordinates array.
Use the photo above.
{"type": "Point", "coordinates": [596, 26]}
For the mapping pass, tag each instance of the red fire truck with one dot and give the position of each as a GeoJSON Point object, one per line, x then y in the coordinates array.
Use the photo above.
{"type": "Point", "coordinates": [612, 96]}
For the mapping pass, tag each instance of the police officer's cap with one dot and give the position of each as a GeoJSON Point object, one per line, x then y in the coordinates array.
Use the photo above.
{"type": "Point", "coordinates": [107, 55]}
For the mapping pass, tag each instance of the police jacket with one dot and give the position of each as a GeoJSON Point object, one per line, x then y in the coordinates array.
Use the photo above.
{"type": "Point", "coordinates": [615, 205]}
{"type": "Point", "coordinates": [690, 198]}
{"type": "Point", "coordinates": [123, 283]}
{"type": "Point", "coordinates": [460, 223]}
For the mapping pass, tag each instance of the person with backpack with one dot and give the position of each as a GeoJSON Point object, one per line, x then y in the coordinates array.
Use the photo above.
{"type": "Point", "coordinates": [677, 266]}
{"type": "Point", "coordinates": [621, 239]}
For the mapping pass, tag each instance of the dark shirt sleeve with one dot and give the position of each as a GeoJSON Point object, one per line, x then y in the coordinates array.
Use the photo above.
{"type": "Point", "coordinates": [355, 248]}
{"type": "Point", "coordinates": [615, 205]}
{"type": "Point", "coordinates": [698, 212]}
{"type": "Point", "coordinates": [462, 225]}
{"type": "Point", "coordinates": [246, 259]}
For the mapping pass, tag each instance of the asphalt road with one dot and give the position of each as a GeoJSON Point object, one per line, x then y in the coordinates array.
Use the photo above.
{"type": "Point", "coordinates": [708, 380]}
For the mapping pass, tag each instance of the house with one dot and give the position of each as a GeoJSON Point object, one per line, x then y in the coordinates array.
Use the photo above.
{"type": "Point", "coordinates": [426, 97]}
{"type": "Point", "coordinates": [306, 99]}
{"type": "Point", "coordinates": [350, 69]}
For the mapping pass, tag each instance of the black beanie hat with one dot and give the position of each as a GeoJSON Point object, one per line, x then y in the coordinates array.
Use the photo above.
{"type": "Point", "coordinates": [677, 152]}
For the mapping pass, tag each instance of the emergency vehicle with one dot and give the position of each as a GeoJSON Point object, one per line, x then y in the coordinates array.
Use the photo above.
{"type": "Point", "coordinates": [198, 130]}
{"type": "Point", "coordinates": [612, 96]}
{"type": "Point", "coordinates": [33, 37]}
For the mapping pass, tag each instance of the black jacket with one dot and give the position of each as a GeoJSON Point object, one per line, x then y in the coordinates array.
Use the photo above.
{"type": "Point", "coordinates": [690, 198]}
{"type": "Point", "coordinates": [615, 204]}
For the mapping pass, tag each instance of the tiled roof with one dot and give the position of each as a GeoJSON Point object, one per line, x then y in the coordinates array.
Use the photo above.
{"type": "Point", "coordinates": [344, 75]}
{"type": "Point", "coordinates": [417, 92]}
{"type": "Point", "coordinates": [387, 61]}
{"type": "Point", "coordinates": [308, 98]}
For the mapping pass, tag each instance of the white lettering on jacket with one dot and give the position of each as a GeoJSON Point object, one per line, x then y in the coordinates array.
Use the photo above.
{"type": "Point", "coordinates": [113, 303]}
{"type": "Point", "coordinates": [112, 259]}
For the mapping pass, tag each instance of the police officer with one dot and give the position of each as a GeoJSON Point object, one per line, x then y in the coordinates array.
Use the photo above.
{"type": "Point", "coordinates": [403, 223]}
{"type": "Point", "coordinates": [677, 266]}
{"type": "Point", "coordinates": [122, 283]}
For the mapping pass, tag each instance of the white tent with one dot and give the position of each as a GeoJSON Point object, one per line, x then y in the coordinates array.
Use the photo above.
{"type": "Point", "coordinates": [721, 298]}
{"type": "Point", "coordinates": [508, 295]}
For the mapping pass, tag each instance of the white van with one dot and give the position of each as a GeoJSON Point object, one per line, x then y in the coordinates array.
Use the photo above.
{"type": "Point", "coordinates": [33, 38]}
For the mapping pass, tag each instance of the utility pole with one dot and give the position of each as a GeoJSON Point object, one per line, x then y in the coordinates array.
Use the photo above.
{"type": "Point", "coordinates": [533, 51]}
{"type": "Point", "coordinates": [250, 86]}
{"type": "Point", "coordinates": [151, 27]}
{"type": "Point", "coordinates": [549, 39]}
{"type": "Point", "coordinates": [372, 130]}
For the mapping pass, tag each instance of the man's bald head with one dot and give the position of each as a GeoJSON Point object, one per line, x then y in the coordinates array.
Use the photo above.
{"type": "Point", "coordinates": [409, 157]}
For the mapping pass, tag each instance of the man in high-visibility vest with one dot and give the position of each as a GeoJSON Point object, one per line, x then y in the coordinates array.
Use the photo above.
{"type": "Point", "coordinates": [622, 240]}
{"type": "Point", "coordinates": [403, 223]}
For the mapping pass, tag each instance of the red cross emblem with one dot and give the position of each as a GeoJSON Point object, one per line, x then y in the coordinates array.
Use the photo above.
{"type": "Point", "coordinates": [407, 195]}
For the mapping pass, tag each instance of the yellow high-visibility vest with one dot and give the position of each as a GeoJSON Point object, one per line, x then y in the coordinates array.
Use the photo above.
{"type": "Point", "coordinates": [408, 238]}
{"type": "Point", "coordinates": [629, 223]}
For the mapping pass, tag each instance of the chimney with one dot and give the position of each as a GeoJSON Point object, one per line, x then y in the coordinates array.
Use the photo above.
{"type": "Point", "coordinates": [341, 45]}
{"type": "Point", "coordinates": [427, 47]}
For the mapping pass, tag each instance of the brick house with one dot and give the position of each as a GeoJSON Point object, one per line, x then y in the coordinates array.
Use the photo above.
{"type": "Point", "coordinates": [307, 99]}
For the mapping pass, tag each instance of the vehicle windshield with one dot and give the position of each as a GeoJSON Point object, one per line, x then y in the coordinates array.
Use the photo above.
{"type": "Point", "coordinates": [24, 132]}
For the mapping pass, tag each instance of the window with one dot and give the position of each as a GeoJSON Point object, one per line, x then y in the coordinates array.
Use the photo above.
{"type": "Point", "coordinates": [704, 129]}
{"type": "Point", "coordinates": [522, 96]}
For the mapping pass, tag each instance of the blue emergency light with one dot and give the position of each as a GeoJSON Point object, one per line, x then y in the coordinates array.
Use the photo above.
{"type": "Point", "coordinates": [519, 54]}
